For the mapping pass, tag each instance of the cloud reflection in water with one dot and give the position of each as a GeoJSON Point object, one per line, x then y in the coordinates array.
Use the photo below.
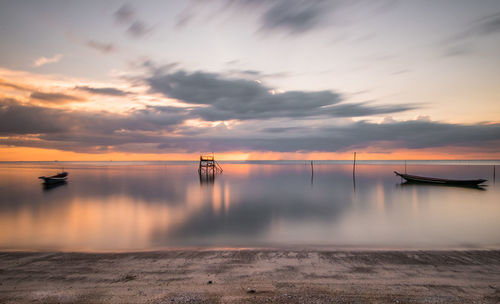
{"type": "Point", "coordinates": [132, 207]}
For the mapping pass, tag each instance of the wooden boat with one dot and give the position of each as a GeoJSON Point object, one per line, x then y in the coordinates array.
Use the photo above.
{"type": "Point", "coordinates": [55, 179]}
{"type": "Point", "coordinates": [441, 181]}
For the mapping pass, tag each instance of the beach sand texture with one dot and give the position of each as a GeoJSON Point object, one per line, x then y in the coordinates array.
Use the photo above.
{"type": "Point", "coordinates": [251, 276]}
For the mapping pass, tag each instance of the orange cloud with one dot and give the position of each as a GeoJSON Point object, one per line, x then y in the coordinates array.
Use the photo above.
{"type": "Point", "coordinates": [46, 60]}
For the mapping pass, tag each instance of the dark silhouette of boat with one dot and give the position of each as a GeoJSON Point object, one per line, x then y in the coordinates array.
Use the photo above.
{"type": "Point", "coordinates": [55, 179]}
{"type": "Point", "coordinates": [49, 187]}
{"type": "Point", "coordinates": [441, 181]}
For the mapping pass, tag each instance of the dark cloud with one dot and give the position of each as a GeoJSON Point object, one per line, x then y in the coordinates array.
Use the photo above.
{"type": "Point", "coordinates": [461, 43]}
{"type": "Point", "coordinates": [18, 119]}
{"type": "Point", "coordinates": [487, 25]}
{"type": "Point", "coordinates": [56, 98]}
{"type": "Point", "coordinates": [127, 15]}
{"type": "Point", "coordinates": [422, 133]}
{"type": "Point", "coordinates": [408, 134]}
{"type": "Point", "coordinates": [293, 16]}
{"type": "Point", "coordinates": [102, 91]}
{"type": "Point", "coordinates": [101, 46]}
{"type": "Point", "coordinates": [282, 130]}
{"type": "Point", "coordinates": [138, 29]}
{"type": "Point", "coordinates": [243, 99]}
{"type": "Point", "coordinates": [156, 130]}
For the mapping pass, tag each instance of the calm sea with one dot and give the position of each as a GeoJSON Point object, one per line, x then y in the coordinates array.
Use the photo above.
{"type": "Point", "coordinates": [116, 206]}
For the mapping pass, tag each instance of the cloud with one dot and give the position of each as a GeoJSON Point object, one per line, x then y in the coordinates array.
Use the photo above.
{"type": "Point", "coordinates": [295, 16]}
{"type": "Point", "coordinates": [460, 43]}
{"type": "Point", "coordinates": [360, 135]}
{"type": "Point", "coordinates": [487, 25]}
{"type": "Point", "coordinates": [256, 119]}
{"type": "Point", "coordinates": [138, 29]}
{"type": "Point", "coordinates": [243, 99]}
{"type": "Point", "coordinates": [18, 119]}
{"type": "Point", "coordinates": [80, 130]}
{"type": "Point", "coordinates": [101, 46]}
{"type": "Point", "coordinates": [46, 60]}
{"type": "Point", "coordinates": [155, 129]}
{"type": "Point", "coordinates": [15, 86]}
{"type": "Point", "coordinates": [56, 98]}
{"type": "Point", "coordinates": [127, 15]}
{"type": "Point", "coordinates": [292, 16]}
{"type": "Point", "coordinates": [102, 91]}
{"type": "Point", "coordinates": [32, 119]}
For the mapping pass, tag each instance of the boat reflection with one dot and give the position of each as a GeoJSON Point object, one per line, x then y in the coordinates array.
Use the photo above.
{"type": "Point", "coordinates": [473, 187]}
{"type": "Point", "coordinates": [48, 187]}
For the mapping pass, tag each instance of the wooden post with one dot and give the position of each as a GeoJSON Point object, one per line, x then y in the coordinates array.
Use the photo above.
{"type": "Point", "coordinates": [312, 173]}
{"type": "Point", "coordinates": [354, 173]}
{"type": "Point", "coordinates": [405, 166]}
{"type": "Point", "coordinates": [354, 165]}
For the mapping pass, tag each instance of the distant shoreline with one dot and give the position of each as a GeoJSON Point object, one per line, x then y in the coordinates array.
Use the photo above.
{"type": "Point", "coordinates": [252, 276]}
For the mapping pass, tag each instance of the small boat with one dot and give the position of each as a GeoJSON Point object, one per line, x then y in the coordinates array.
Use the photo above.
{"type": "Point", "coordinates": [441, 181]}
{"type": "Point", "coordinates": [55, 179]}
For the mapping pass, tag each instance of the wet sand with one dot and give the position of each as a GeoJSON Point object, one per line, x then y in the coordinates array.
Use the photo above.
{"type": "Point", "coordinates": [251, 276]}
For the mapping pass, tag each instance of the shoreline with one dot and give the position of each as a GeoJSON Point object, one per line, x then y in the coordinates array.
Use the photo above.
{"type": "Point", "coordinates": [258, 249]}
{"type": "Point", "coordinates": [255, 275]}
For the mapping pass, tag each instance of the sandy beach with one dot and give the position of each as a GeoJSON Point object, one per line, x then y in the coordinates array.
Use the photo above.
{"type": "Point", "coordinates": [251, 276]}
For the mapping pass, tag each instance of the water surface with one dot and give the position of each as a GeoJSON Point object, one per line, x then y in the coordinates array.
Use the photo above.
{"type": "Point", "coordinates": [114, 206]}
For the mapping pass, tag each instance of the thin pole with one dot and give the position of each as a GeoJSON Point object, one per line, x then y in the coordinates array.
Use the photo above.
{"type": "Point", "coordinates": [312, 173]}
{"type": "Point", "coordinates": [405, 166]}
{"type": "Point", "coordinates": [354, 173]}
{"type": "Point", "coordinates": [354, 165]}
{"type": "Point", "coordinates": [493, 173]}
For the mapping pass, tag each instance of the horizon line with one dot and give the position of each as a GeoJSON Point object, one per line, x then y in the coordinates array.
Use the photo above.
{"type": "Point", "coordinates": [249, 160]}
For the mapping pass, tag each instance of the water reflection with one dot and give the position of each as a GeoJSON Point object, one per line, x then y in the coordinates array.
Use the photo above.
{"type": "Point", "coordinates": [147, 207]}
{"type": "Point", "coordinates": [410, 184]}
{"type": "Point", "coordinates": [48, 187]}
{"type": "Point", "coordinates": [206, 179]}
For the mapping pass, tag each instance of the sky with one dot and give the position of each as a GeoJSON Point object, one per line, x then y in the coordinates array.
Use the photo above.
{"type": "Point", "coordinates": [249, 79]}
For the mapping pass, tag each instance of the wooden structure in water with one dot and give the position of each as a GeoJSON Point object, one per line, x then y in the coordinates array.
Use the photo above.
{"type": "Point", "coordinates": [209, 166]}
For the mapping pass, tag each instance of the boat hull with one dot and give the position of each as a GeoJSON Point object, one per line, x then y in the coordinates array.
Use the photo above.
{"type": "Point", "coordinates": [55, 179]}
{"type": "Point", "coordinates": [441, 181]}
